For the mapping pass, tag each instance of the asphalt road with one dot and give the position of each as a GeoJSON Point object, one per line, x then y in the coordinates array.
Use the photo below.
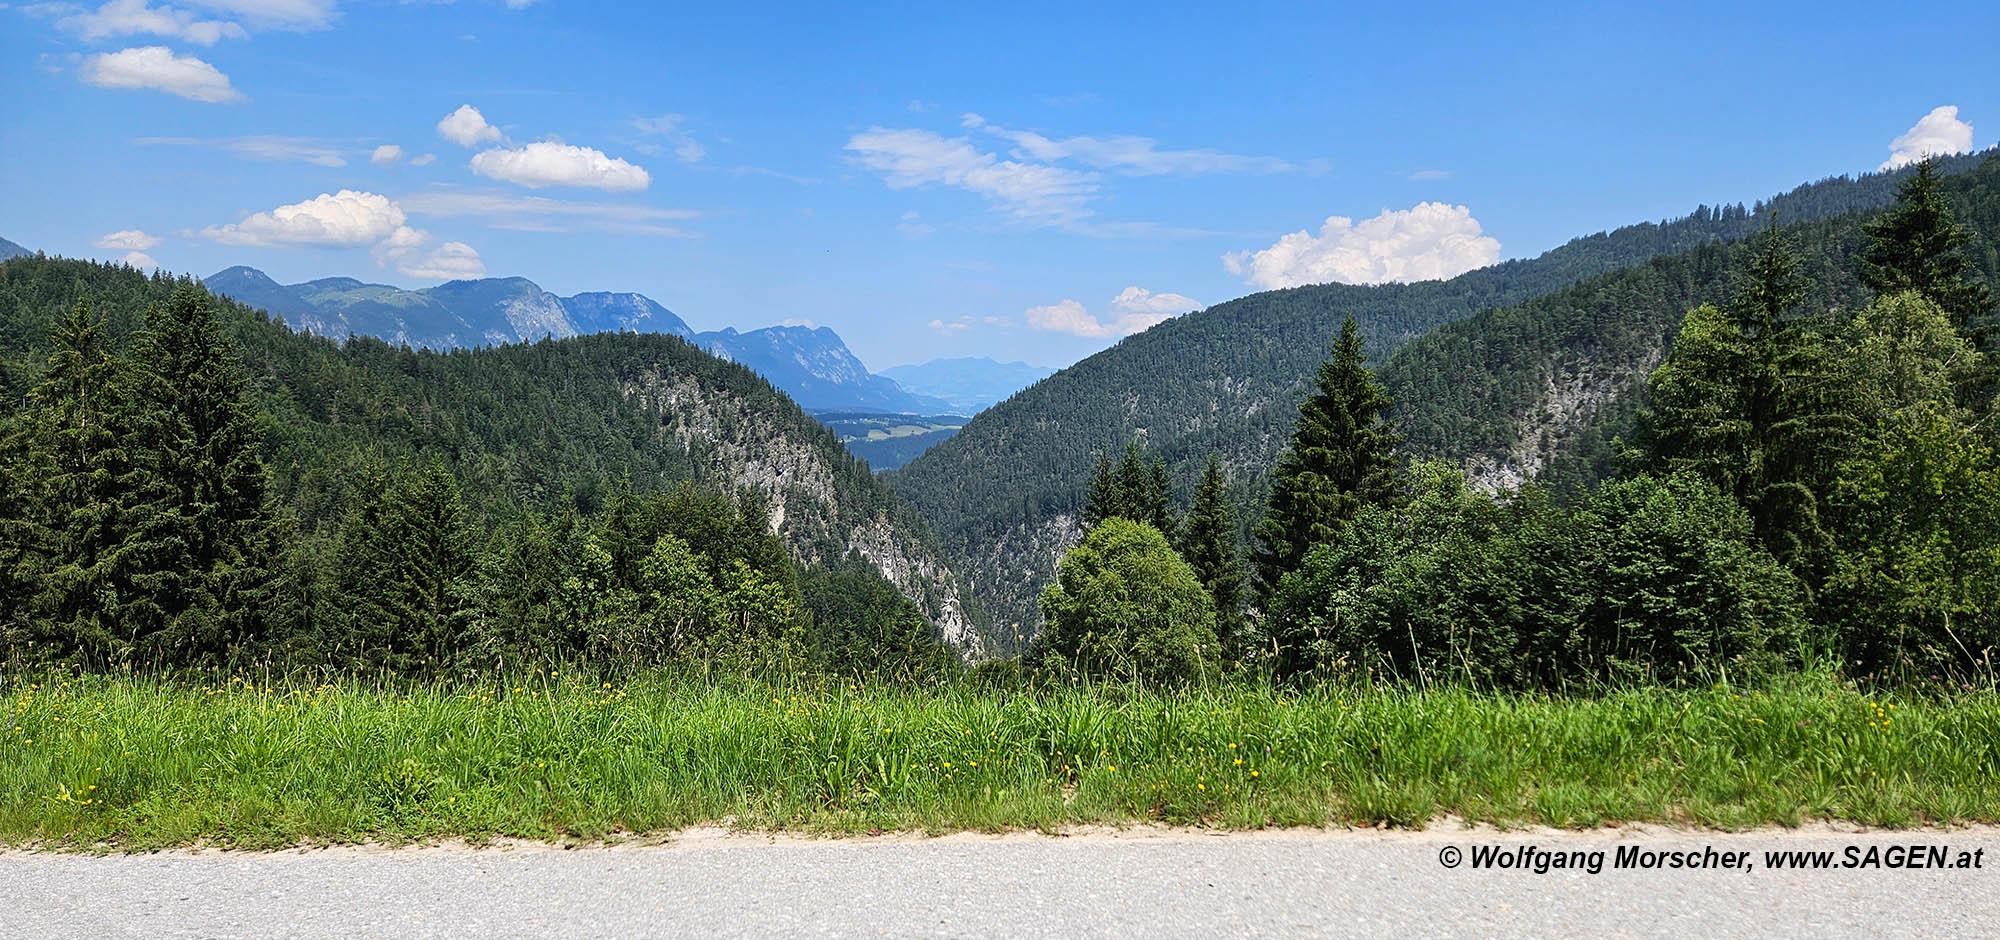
{"type": "Point", "coordinates": [1341, 884]}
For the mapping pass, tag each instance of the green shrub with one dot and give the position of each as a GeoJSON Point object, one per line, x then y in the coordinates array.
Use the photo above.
{"type": "Point", "coordinates": [1641, 578]}
{"type": "Point", "coordinates": [1124, 605]}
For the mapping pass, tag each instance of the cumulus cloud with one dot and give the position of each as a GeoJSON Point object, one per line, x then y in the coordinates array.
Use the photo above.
{"type": "Point", "coordinates": [386, 154]}
{"type": "Point", "coordinates": [1028, 193]}
{"type": "Point", "coordinates": [1138, 309]}
{"type": "Point", "coordinates": [130, 239]}
{"type": "Point", "coordinates": [959, 325]}
{"type": "Point", "coordinates": [1939, 133]}
{"type": "Point", "coordinates": [668, 126]}
{"type": "Point", "coordinates": [139, 259]}
{"type": "Point", "coordinates": [1431, 241]}
{"type": "Point", "coordinates": [425, 160]}
{"type": "Point", "coordinates": [554, 163]}
{"type": "Point", "coordinates": [466, 127]}
{"type": "Point", "coordinates": [1130, 155]}
{"type": "Point", "coordinates": [348, 219]}
{"type": "Point", "coordinates": [130, 17]}
{"type": "Point", "coordinates": [158, 68]}
{"type": "Point", "coordinates": [1140, 300]}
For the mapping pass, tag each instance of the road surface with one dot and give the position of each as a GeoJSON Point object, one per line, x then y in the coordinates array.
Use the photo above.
{"type": "Point", "coordinates": [1132, 884]}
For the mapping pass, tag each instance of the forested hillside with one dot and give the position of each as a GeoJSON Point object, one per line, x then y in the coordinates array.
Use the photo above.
{"type": "Point", "coordinates": [1004, 493]}
{"type": "Point", "coordinates": [1543, 387]}
{"type": "Point", "coordinates": [526, 434]}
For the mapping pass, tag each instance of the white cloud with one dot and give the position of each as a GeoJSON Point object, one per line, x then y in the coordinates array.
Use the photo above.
{"type": "Point", "coordinates": [1939, 133]}
{"type": "Point", "coordinates": [425, 160]}
{"type": "Point", "coordinates": [1430, 241]}
{"type": "Point", "coordinates": [466, 127]}
{"type": "Point", "coordinates": [451, 261]}
{"type": "Point", "coordinates": [157, 67]}
{"type": "Point", "coordinates": [913, 226]}
{"type": "Point", "coordinates": [278, 14]}
{"type": "Point", "coordinates": [346, 218]}
{"type": "Point", "coordinates": [129, 17]}
{"type": "Point", "coordinates": [130, 239]}
{"type": "Point", "coordinates": [349, 219]}
{"type": "Point", "coordinates": [540, 213]}
{"type": "Point", "coordinates": [1130, 155]}
{"type": "Point", "coordinates": [799, 321]}
{"type": "Point", "coordinates": [959, 325]}
{"type": "Point", "coordinates": [1028, 193]}
{"type": "Point", "coordinates": [1141, 300]}
{"type": "Point", "coordinates": [554, 163]}
{"type": "Point", "coordinates": [139, 259]}
{"type": "Point", "coordinates": [386, 154]}
{"type": "Point", "coordinates": [1071, 317]}
{"type": "Point", "coordinates": [686, 148]}
{"type": "Point", "coordinates": [1420, 176]}
{"type": "Point", "coordinates": [262, 147]}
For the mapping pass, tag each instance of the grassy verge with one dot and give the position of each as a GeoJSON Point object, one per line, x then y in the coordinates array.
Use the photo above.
{"type": "Point", "coordinates": [145, 763]}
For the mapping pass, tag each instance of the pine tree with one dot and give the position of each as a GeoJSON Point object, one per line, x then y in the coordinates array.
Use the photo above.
{"type": "Point", "coordinates": [210, 520]}
{"type": "Point", "coordinates": [1918, 246]}
{"type": "Point", "coordinates": [1342, 457]}
{"type": "Point", "coordinates": [1208, 542]}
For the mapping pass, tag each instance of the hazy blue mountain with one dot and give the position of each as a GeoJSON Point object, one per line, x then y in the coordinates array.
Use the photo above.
{"type": "Point", "coordinates": [10, 250]}
{"type": "Point", "coordinates": [816, 368]}
{"type": "Point", "coordinates": [813, 366]}
{"type": "Point", "coordinates": [970, 384]}
{"type": "Point", "coordinates": [482, 312]}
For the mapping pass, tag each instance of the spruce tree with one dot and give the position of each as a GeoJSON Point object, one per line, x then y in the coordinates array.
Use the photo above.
{"type": "Point", "coordinates": [1758, 401]}
{"type": "Point", "coordinates": [210, 519]}
{"type": "Point", "coordinates": [1342, 458]}
{"type": "Point", "coordinates": [429, 600]}
{"type": "Point", "coordinates": [1135, 488]}
{"type": "Point", "coordinates": [80, 538]}
{"type": "Point", "coordinates": [1918, 246]}
{"type": "Point", "coordinates": [1208, 542]}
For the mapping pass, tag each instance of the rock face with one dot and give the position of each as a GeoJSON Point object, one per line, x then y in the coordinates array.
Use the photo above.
{"type": "Point", "coordinates": [729, 440]}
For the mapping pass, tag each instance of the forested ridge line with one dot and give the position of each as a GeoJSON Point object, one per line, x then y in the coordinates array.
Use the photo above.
{"type": "Point", "coordinates": [1004, 494]}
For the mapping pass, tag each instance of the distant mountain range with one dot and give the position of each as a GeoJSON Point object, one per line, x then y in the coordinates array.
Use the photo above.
{"type": "Point", "coordinates": [10, 250]}
{"type": "Point", "coordinates": [812, 365]}
{"type": "Point", "coordinates": [970, 385]}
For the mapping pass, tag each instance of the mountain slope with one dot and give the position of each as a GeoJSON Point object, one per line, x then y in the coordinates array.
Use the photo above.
{"type": "Point", "coordinates": [546, 426]}
{"type": "Point", "coordinates": [970, 384]}
{"type": "Point", "coordinates": [1004, 491]}
{"type": "Point", "coordinates": [1540, 388]}
{"type": "Point", "coordinates": [10, 250]}
{"type": "Point", "coordinates": [816, 368]}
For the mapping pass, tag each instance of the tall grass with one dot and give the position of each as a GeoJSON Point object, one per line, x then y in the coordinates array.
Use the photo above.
{"type": "Point", "coordinates": [140, 763]}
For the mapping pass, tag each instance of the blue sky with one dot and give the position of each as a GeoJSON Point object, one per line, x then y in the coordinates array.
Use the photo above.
{"type": "Point", "coordinates": [934, 179]}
